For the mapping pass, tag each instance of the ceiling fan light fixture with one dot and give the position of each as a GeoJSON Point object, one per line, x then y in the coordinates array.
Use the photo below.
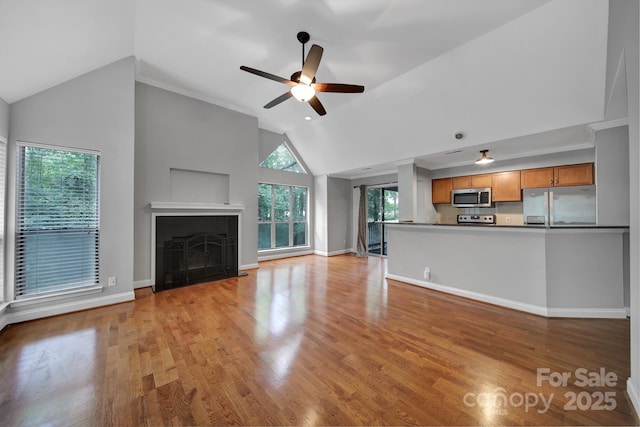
{"type": "Point", "coordinates": [303, 92]}
{"type": "Point", "coordinates": [484, 159]}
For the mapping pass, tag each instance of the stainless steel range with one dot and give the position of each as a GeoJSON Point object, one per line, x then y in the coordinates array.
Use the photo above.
{"type": "Point", "coordinates": [476, 219]}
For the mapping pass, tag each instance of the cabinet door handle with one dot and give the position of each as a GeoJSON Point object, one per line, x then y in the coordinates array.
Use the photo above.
{"type": "Point", "coordinates": [557, 181]}
{"type": "Point", "coordinates": [551, 181]}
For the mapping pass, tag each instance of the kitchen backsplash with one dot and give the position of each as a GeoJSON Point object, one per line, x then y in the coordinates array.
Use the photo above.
{"type": "Point", "coordinates": [507, 213]}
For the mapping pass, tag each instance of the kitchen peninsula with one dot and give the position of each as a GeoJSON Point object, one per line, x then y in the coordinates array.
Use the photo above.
{"type": "Point", "coordinates": [554, 272]}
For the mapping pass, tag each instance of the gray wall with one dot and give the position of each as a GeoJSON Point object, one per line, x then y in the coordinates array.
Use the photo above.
{"type": "Point", "coordinates": [174, 131]}
{"type": "Point", "coordinates": [4, 118]}
{"type": "Point", "coordinates": [623, 37]}
{"type": "Point", "coordinates": [612, 175]}
{"type": "Point", "coordinates": [339, 194]}
{"type": "Point", "coordinates": [94, 111]}
{"type": "Point", "coordinates": [332, 215]}
{"type": "Point", "coordinates": [321, 212]}
{"type": "Point", "coordinates": [570, 272]}
{"type": "Point", "coordinates": [407, 193]}
{"type": "Point", "coordinates": [269, 141]}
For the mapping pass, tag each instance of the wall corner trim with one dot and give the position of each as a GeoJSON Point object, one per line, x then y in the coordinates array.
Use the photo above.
{"type": "Point", "coordinates": [634, 396]}
{"type": "Point", "coordinates": [333, 253]}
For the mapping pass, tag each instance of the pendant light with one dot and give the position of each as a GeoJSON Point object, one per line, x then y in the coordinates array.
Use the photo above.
{"type": "Point", "coordinates": [484, 159]}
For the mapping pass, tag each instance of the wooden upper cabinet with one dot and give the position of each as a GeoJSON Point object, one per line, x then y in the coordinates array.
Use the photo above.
{"type": "Point", "coordinates": [558, 176]}
{"type": "Point", "coordinates": [536, 178]}
{"type": "Point", "coordinates": [505, 187]}
{"type": "Point", "coordinates": [441, 190]}
{"type": "Point", "coordinates": [472, 181]}
{"type": "Point", "coordinates": [573, 175]}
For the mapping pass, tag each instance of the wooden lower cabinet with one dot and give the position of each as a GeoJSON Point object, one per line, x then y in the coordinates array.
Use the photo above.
{"type": "Point", "coordinates": [441, 191]}
{"type": "Point", "coordinates": [505, 187]}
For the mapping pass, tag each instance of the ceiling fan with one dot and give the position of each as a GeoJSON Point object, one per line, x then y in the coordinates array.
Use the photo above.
{"type": "Point", "coordinates": [303, 83]}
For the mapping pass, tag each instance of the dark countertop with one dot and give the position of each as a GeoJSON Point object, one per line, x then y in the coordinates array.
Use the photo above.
{"type": "Point", "coordinates": [553, 227]}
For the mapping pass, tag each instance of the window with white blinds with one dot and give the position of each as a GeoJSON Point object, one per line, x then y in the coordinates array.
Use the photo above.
{"type": "Point", "coordinates": [57, 220]}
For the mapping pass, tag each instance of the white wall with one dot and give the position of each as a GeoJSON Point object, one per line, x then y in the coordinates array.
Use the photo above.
{"type": "Point", "coordinates": [321, 215]}
{"type": "Point", "coordinates": [4, 118]}
{"type": "Point", "coordinates": [407, 192]}
{"type": "Point", "coordinates": [624, 39]}
{"type": "Point", "coordinates": [542, 71]}
{"type": "Point", "coordinates": [612, 175]}
{"type": "Point", "coordinates": [94, 111]}
{"type": "Point", "coordinates": [174, 131]}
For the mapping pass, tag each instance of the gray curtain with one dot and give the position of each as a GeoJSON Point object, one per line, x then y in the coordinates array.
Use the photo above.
{"type": "Point", "coordinates": [361, 247]}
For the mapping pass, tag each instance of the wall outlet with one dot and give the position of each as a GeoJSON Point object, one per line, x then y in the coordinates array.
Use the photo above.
{"type": "Point", "coordinates": [112, 281]}
{"type": "Point", "coordinates": [427, 273]}
{"type": "Point", "coordinates": [507, 220]}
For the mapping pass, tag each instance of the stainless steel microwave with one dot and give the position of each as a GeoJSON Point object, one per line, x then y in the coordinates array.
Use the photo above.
{"type": "Point", "coordinates": [471, 198]}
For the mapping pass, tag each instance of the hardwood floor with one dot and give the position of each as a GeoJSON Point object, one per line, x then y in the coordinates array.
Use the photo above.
{"type": "Point", "coordinates": [310, 341]}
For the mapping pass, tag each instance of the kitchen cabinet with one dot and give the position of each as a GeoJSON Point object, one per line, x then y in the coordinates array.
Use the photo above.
{"type": "Point", "coordinates": [559, 176]}
{"type": "Point", "coordinates": [472, 181]}
{"type": "Point", "coordinates": [505, 187]}
{"type": "Point", "coordinates": [441, 190]}
{"type": "Point", "coordinates": [573, 175]}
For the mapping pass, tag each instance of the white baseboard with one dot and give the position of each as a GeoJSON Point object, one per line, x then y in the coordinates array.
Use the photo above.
{"type": "Point", "coordinates": [141, 283]}
{"type": "Point", "coordinates": [634, 396]}
{"type": "Point", "coordinates": [595, 313]}
{"type": "Point", "coordinates": [63, 308]}
{"type": "Point", "coordinates": [249, 266]}
{"type": "Point", "coordinates": [529, 308]}
{"type": "Point", "coordinates": [333, 253]}
{"type": "Point", "coordinates": [591, 313]}
{"type": "Point", "coordinates": [284, 255]}
{"type": "Point", "coordinates": [4, 317]}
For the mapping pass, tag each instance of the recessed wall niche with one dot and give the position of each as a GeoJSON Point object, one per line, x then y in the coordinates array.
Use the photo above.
{"type": "Point", "coordinates": [192, 186]}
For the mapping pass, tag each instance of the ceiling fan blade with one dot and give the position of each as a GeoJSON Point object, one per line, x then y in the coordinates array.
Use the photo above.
{"type": "Point", "coordinates": [311, 64]}
{"type": "Point", "coordinates": [279, 99]}
{"type": "Point", "coordinates": [337, 87]}
{"type": "Point", "coordinates": [317, 105]}
{"type": "Point", "coordinates": [267, 75]}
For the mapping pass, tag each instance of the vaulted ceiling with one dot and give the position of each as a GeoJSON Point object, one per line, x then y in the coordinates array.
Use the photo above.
{"type": "Point", "coordinates": [498, 70]}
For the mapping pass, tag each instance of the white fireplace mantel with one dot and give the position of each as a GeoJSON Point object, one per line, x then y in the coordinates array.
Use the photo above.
{"type": "Point", "coordinates": [180, 206]}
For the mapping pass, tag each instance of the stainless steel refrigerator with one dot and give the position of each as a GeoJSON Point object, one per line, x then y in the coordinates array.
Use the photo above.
{"type": "Point", "coordinates": [560, 206]}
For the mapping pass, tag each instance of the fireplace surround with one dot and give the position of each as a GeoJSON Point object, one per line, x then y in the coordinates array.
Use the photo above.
{"type": "Point", "coordinates": [193, 243]}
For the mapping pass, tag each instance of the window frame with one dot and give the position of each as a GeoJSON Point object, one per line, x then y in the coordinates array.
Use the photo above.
{"type": "Point", "coordinates": [284, 144]}
{"type": "Point", "coordinates": [19, 296]}
{"type": "Point", "coordinates": [291, 221]}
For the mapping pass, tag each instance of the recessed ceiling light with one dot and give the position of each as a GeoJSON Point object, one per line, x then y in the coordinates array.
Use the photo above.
{"type": "Point", "coordinates": [307, 118]}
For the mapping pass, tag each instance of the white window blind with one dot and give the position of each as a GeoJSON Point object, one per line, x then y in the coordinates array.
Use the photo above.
{"type": "Point", "coordinates": [57, 220]}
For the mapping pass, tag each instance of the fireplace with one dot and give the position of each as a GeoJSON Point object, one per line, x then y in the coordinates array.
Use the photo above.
{"type": "Point", "coordinates": [194, 246]}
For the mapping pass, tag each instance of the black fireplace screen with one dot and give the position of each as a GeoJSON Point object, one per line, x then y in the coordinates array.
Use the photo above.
{"type": "Point", "coordinates": [195, 249]}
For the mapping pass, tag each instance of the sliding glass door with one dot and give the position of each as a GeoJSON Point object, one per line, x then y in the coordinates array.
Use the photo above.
{"type": "Point", "coordinates": [382, 206]}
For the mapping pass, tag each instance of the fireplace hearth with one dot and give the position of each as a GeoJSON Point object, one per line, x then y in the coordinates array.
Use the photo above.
{"type": "Point", "coordinates": [195, 249]}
